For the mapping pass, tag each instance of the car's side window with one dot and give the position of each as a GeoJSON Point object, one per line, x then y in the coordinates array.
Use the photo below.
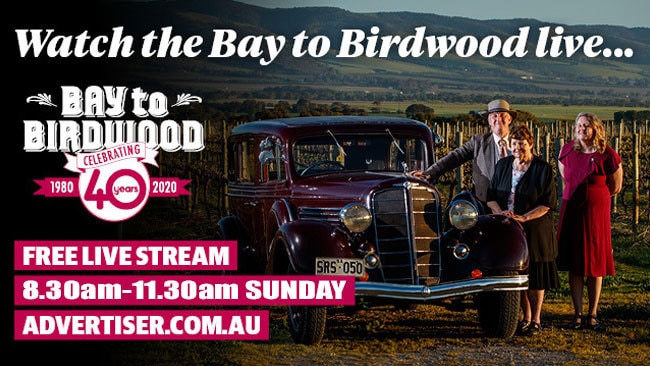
{"type": "Point", "coordinates": [416, 152]}
{"type": "Point", "coordinates": [242, 162]}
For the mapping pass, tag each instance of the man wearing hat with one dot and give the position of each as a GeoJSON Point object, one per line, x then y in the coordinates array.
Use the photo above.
{"type": "Point", "coordinates": [483, 149]}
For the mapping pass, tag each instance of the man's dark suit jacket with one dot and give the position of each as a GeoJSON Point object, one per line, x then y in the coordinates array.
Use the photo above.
{"type": "Point", "coordinates": [481, 149]}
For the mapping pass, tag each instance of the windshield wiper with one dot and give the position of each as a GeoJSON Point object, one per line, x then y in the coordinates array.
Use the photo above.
{"type": "Point", "coordinates": [337, 143]}
{"type": "Point", "coordinates": [395, 142]}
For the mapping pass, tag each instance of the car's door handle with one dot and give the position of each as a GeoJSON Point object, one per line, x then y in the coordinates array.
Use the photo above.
{"type": "Point", "coordinates": [253, 204]}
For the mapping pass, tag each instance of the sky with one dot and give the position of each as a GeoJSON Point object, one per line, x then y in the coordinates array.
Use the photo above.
{"type": "Point", "coordinates": [628, 13]}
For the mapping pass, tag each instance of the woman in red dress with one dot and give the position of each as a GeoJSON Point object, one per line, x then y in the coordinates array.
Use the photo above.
{"type": "Point", "coordinates": [592, 173]}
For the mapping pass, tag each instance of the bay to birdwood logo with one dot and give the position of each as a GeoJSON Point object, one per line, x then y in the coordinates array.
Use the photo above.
{"type": "Point", "coordinates": [111, 154]}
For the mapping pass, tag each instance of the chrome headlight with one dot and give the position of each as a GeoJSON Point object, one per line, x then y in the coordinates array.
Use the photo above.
{"type": "Point", "coordinates": [463, 215]}
{"type": "Point", "coordinates": [355, 217]}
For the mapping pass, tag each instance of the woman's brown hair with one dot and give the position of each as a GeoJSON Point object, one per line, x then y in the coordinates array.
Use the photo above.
{"type": "Point", "coordinates": [521, 132]}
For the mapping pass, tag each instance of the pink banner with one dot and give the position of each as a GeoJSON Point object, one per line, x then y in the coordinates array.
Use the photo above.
{"type": "Point", "coordinates": [164, 255]}
{"type": "Point", "coordinates": [133, 150]}
{"type": "Point", "coordinates": [169, 325]}
{"type": "Point", "coordinates": [69, 187]}
{"type": "Point", "coordinates": [179, 290]}
{"type": "Point", "coordinates": [57, 187]}
{"type": "Point", "coordinates": [168, 187]}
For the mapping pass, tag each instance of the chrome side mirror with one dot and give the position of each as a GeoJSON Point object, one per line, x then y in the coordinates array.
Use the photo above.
{"type": "Point", "coordinates": [266, 144]}
{"type": "Point", "coordinates": [266, 157]}
{"type": "Point", "coordinates": [438, 140]}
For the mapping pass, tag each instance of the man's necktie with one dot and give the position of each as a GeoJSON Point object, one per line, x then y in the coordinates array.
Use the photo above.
{"type": "Point", "coordinates": [503, 150]}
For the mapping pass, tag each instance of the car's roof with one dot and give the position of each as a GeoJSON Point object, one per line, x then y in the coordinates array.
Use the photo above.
{"type": "Point", "coordinates": [284, 124]}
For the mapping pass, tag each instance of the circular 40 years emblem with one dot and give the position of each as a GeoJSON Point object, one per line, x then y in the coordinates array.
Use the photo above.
{"type": "Point", "coordinates": [114, 184]}
{"type": "Point", "coordinates": [115, 192]}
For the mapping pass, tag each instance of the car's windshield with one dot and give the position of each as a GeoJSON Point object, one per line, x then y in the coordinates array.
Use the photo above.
{"type": "Point", "coordinates": [337, 152]}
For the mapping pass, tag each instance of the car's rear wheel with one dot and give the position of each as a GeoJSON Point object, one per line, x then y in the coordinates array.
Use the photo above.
{"type": "Point", "coordinates": [498, 312]}
{"type": "Point", "coordinates": [306, 323]}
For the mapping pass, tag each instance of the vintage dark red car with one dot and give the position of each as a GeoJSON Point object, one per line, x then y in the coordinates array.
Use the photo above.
{"type": "Point", "coordinates": [332, 195]}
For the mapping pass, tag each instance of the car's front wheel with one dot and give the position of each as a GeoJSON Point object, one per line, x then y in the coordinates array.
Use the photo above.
{"type": "Point", "coordinates": [306, 323]}
{"type": "Point", "coordinates": [498, 312]}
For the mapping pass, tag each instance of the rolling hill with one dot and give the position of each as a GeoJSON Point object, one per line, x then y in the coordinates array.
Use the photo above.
{"type": "Point", "coordinates": [530, 79]}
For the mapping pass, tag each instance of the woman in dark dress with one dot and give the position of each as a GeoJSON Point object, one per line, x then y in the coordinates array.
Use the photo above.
{"type": "Point", "coordinates": [592, 173]}
{"type": "Point", "coordinates": [523, 188]}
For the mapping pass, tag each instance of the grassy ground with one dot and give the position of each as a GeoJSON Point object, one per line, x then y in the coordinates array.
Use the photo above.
{"type": "Point", "coordinates": [432, 334]}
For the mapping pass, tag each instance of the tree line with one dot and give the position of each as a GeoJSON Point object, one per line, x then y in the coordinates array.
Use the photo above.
{"type": "Point", "coordinates": [252, 110]}
{"type": "Point", "coordinates": [532, 95]}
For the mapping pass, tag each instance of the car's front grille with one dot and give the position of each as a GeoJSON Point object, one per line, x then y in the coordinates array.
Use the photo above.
{"type": "Point", "coordinates": [407, 234]}
{"type": "Point", "coordinates": [326, 214]}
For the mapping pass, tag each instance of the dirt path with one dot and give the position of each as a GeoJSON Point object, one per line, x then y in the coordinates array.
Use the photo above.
{"type": "Point", "coordinates": [433, 335]}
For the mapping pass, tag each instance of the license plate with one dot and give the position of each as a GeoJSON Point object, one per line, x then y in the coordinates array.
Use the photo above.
{"type": "Point", "coordinates": [339, 266]}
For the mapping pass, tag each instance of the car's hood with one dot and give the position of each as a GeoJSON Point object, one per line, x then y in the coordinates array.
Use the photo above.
{"type": "Point", "coordinates": [353, 186]}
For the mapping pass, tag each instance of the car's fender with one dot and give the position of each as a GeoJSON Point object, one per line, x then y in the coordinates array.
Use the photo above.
{"type": "Point", "coordinates": [504, 245]}
{"type": "Point", "coordinates": [496, 244]}
{"type": "Point", "coordinates": [302, 241]}
{"type": "Point", "coordinates": [231, 228]}
{"type": "Point", "coordinates": [282, 211]}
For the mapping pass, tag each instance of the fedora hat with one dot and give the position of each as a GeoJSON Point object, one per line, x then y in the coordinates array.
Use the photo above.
{"type": "Point", "coordinates": [499, 105]}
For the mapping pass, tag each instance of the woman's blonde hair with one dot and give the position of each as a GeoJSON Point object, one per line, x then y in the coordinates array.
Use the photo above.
{"type": "Point", "coordinates": [599, 132]}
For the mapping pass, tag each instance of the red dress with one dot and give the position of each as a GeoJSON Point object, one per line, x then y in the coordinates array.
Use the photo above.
{"type": "Point", "coordinates": [584, 229]}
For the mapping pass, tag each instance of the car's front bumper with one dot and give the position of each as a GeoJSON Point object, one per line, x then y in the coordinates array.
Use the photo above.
{"type": "Point", "coordinates": [441, 291]}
